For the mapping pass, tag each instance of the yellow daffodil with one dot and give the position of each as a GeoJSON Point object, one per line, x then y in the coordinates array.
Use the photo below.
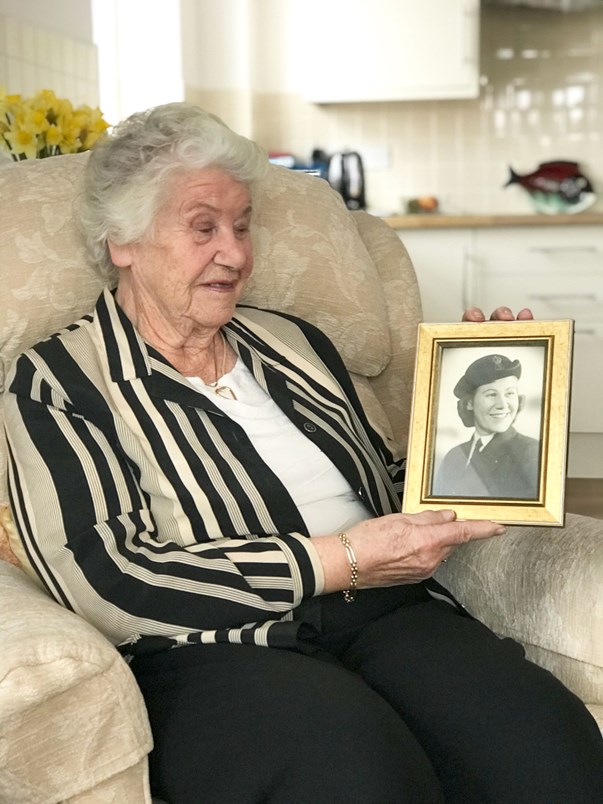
{"type": "Point", "coordinates": [46, 97]}
{"type": "Point", "coordinates": [54, 136]}
{"type": "Point", "coordinates": [35, 120]}
{"type": "Point", "coordinates": [44, 125]}
{"type": "Point", "coordinates": [22, 143]}
{"type": "Point", "coordinates": [6, 98]}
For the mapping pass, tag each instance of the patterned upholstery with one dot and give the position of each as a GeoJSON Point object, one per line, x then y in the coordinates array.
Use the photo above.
{"type": "Point", "coordinates": [63, 687]}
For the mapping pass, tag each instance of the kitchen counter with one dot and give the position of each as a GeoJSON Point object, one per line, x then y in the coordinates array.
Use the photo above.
{"type": "Point", "coordinates": [439, 221]}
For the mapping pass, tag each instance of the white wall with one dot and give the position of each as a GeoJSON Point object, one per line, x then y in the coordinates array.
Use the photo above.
{"type": "Point", "coordinates": [234, 50]}
{"type": "Point", "coordinates": [70, 17]}
{"type": "Point", "coordinates": [255, 45]}
{"type": "Point", "coordinates": [140, 54]}
{"type": "Point", "coordinates": [215, 43]}
{"type": "Point", "coordinates": [124, 55]}
{"type": "Point", "coordinates": [277, 31]}
{"type": "Point", "coordinates": [48, 45]}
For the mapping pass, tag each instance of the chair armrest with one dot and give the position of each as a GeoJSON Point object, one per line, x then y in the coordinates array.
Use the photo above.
{"type": "Point", "coordinates": [66, 691]}
{"type": "Point", "coordinates": [543, 587]}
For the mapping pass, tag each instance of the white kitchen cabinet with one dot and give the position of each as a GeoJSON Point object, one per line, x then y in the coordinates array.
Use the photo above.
{"type": "Point", "coordinates": [387, 50]}
{"type": "Point", "coordinates": [556, 271]}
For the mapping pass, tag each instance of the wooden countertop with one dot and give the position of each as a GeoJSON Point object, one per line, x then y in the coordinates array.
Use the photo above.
{"type": "Point", "coordinates": [438, 221]}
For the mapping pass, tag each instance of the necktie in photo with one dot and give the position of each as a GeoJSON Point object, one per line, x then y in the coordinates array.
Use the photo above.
{"type": "Point", "coordinates": [476, 448]}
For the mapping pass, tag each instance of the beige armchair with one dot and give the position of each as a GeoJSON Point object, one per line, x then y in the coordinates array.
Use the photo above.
{"type": "Point", "coordinates": [72, 723]}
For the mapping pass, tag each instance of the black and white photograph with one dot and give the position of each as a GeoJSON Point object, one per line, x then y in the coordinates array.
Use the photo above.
{"type": "Point", "coordinates": [489, 421]}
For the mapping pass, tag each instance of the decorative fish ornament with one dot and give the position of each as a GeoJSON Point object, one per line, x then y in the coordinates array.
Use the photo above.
{"type": "Point", "coordinates": [556, 187]}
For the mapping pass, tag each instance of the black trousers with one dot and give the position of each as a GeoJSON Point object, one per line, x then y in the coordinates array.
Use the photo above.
{"type": "Point", "coordinates": [399, 698]}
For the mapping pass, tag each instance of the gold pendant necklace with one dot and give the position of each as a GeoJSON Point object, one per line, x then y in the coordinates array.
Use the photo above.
{"type": "Point", "coordinates": [221, 390]}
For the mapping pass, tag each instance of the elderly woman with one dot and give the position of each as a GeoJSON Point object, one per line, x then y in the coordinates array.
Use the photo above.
{"type": "Point", "coordinates": [200, 482]}
{"type": "Point", "coordinates": [496, 461]}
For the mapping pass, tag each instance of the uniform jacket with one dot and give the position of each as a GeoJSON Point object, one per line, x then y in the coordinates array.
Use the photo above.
{"type": "Point", "coordinates": [145, 509]}
{"type": "Point", "coordinates": [507, 467]}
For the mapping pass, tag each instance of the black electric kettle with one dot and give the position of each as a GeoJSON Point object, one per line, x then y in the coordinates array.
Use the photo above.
{"type": "Point", "coordinates": [345, 173]}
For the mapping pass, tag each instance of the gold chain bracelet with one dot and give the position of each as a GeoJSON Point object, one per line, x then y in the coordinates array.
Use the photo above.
{"type": "Point", "coordinates": [349, 595]}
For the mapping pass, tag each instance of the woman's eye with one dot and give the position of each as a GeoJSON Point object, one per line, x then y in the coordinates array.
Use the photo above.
{"type": "Point", "coordinates": [203, 226]}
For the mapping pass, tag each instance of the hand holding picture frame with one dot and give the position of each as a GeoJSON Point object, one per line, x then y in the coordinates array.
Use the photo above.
{"type": "Point", "coordinates": [490, 419]}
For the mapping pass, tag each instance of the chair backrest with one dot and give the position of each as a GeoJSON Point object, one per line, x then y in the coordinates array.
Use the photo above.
{"type": "Point", "coordinates": [346, 272]}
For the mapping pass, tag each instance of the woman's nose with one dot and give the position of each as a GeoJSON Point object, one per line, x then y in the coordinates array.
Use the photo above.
{"type": "Point", "coordinates": [233, 251]}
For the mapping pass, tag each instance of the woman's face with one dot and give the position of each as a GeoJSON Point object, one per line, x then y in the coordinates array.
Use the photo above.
{"type": "Point", "coordinates": [495, 405]}
{"type": "Point", "coordinates": [189, 272]}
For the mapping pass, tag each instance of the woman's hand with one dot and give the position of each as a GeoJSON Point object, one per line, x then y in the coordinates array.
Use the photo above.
{"type": "Point", "coordinates": [500, 314]}
{"type": "Point", "coordinates": [398, 548]}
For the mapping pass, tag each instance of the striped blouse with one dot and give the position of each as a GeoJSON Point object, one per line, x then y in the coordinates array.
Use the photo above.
{"type": "Point", "coordinates": [146, 510]}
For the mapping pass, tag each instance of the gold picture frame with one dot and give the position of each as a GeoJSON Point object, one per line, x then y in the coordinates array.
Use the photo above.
{"type": "Point", "coordinates": [509, 382]}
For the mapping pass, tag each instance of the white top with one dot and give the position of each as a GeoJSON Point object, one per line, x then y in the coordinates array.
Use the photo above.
{"type": "Point", "coordinates": [323, 496]}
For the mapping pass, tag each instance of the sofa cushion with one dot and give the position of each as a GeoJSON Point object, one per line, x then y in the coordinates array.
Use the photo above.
{"type": "Point", "coordinates": [542, 587]}
{"type": "Point", "coordinates": [46, 280]}
{"type": "Point", "coordinates": [65, 690]}
{"type": "Point", "coordinates": [311, 261]}
{"type": "Point", "coordinates": [393, 386]}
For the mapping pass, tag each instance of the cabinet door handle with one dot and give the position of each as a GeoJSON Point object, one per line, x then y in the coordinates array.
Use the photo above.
{"type": "Point", "coordinates": [548, 297]}
{"type": "Point", "coordinates": [563, 249]}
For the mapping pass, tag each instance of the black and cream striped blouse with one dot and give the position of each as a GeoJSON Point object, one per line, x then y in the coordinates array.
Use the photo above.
{"type": "Point", "coordinates": [146, 510]}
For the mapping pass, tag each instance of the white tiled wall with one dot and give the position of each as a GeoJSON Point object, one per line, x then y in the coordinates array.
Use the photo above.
{"type": "Point", "coordinates": [33, 58]}
{"type": "Point", "coordinates": [541, 99]}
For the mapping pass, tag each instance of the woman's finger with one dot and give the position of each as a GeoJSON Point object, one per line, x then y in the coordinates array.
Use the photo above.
{"type": "Point", "coordinates": [468, 530]}
{"type": "Point", "coordinates": [451, 531]}
{"type": "Point", "coordinates": [430, 517]}
{"type": "Point", "coordinates": [502, 314]}
{"type": "Point", "coordinates": [474, 315]}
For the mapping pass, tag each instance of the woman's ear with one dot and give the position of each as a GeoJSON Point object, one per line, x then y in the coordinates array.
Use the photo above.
{"type": "Point", "coordinates": [121, 255]}
{"type": "Point", "coordinates": [469, 404]}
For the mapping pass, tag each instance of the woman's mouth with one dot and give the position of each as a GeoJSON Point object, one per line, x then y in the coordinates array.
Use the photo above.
{"type": "Point", "coordinates": [224, 285]}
